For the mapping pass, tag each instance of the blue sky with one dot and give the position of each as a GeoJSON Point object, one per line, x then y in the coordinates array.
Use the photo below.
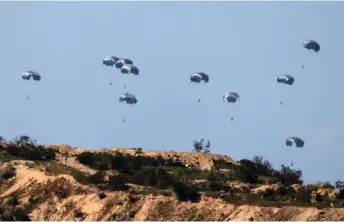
{"type": "Point", "coordinates": [243, 46]}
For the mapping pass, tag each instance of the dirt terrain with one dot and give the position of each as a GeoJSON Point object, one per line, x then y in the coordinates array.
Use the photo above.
{"type": "Point", "coordinates": [49, 191]}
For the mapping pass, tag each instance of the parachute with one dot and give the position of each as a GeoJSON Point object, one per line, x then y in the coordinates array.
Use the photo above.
{"type": "Point", "coordinates": [121, 62]}
{"type": "Point", "coordinates": [128, 98]}
{"type": "Point", "coordinates": [231, 97]}
{"type": "Point", "coordinates": [110, 60]}
{"type": "Point", "coordinates": [286, 79]}
{"type": "Point", "coordinates": [299, 142]}
{"type": "Point", "coordinates": [198, 77]}
{"type": "Point", "coordinates": [28, 74]}
{"type": "Point", "coordinates": [311, 44]}
{"type": "Point", "coordinates": [129, 68]}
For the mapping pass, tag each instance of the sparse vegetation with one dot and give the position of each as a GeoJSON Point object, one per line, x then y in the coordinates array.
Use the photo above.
{"type": "Point", "coordinates": [27, 149]}
{"type": "Point", "coordinates": [159, 175]}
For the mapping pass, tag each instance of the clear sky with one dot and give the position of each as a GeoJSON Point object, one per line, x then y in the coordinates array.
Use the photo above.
{"type": "Point", "coordinates": [243, 46]}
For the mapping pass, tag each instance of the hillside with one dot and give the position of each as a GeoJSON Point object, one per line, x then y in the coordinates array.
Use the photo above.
{"type": "Point", "coordinates": [59, 182]}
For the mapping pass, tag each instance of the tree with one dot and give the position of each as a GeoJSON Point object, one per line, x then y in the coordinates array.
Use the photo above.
{"type": "Point", "coordinates": [206, 148]}
{"type": "Point", "coordinates": [258, 159]}
{"type": "Point", "coordinates": [290, 176]}
{"type": "Point", "coordinates": [339, 184]}
{"type": "Point", "coordinates": [200, 147]}
{"type": "Point", "coordinates": [186, 191]}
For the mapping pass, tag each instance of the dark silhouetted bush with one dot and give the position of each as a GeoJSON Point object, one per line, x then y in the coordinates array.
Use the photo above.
{"type": "Point", "coordinates": [8, 173]}
{"type": "Point", "coordinates": [117, 182]}
{"type": "Point", "coordinates": [78, 214]}
{"type": "Point", "coordinates": [290, 176]}
{"type": "Point", "coordinates": [223, 164]}
{"type": "Point", "coordinates": [116, 161]}
{"type": "Point", "coordinates": [303, 195]}
{"type": "Point", "coordinates": [340, 194]}
{"type": "Point", "coordinates": [340, 186]}
{"type": "Point", "coordinates": [15, 214]}
{"type": "Point", "coordinates": [31, 151]}
{"type": "Point", "coordinates": [247, 172]}
{"type": "Point", "coordinates": [62, 193]}
{"type": "Point", "coordinates": [13, 200]}
{"type": "Point", "coordinates": [153, 176]}
{"type": "Point", "coordinates": [186, 191]}
{"type": "Point", "coordinates": [97, 178]}
{"type": "Point", "coordinates": [217, 186]}
{"type": "Point", "coordinates": [269, 194]}
{"type": "Point", "coordinates": [101, 195]}
{"type": "Point", "coordinates": [200, 147]}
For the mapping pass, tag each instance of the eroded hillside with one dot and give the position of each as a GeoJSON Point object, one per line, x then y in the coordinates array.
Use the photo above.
{"type": "Point", "coordinates": [58, 182]}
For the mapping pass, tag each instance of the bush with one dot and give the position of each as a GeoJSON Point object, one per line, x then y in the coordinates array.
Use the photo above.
{"type": "Point", "coordinates": [270, 195]}
{"type": "Point", "coordinates": [5, 156]}
{"type": "Point", "coordinates": [101, 195]}
{"type": "Point", "coordinates": [117, 182]}
{"type": "Point", "coordinates": [303, 195]}
{"type": "Point", "coordinates": [16, 214]}
{"type": "Point", "coordinates": [62, 193]}
{"type": "Point", "coordinates": [341, 194]}
{"type": "Point", "coordinates": [247, 171]}
{"type": "Point", "coordinates": [152, 176]}
{"type": "Point", "coordinates": [217, 186]}
{"type": "Point", "coordinates": [186, 191]}
{"type": "Point", "coordinates": [116, 161]}
{"type": "Point", "coordinates": [223, 164]}
{"type": "Point", "coordinates": [13, 200]}
{"type": "Point", "coordinates": [97, 178]}
{"type": "Point", "coordinates": [200, 147]}
{"type": "Point", "coordinates": [290, 176]}
{"type": "Point", "coordinates": [8, 173]}
{"type": "Point", "coordinates": [29, 151]}
{"type": "Point", "coordinates": [325, 185]}
{"type": "Point", "coordinates": [339, 184]}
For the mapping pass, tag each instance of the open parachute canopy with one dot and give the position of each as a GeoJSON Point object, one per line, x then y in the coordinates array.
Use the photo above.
{"type": "Point", "coordinates": [28, 74]}
{"type": "Point", "coordinates": [110, 60]}
{"type": "Point", "coordinates": [198, 77]}
{"type": "Point", "coordinates": [286, 79]}
{"type": "Point", "coordinates": [121, 62]}
{"type": "Point", "coordinates": [311, 45]}
{"type": "Point", "coordinates": [299, 142]}
{"type": "Point", "coordinates": [231, 97]}
{"type": "Point", "coordinates": [130, 68]}
{"type": "Point", "coordinates": [128, 98]}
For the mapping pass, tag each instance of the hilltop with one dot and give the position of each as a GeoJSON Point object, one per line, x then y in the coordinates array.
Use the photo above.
{"type": "Point", "coordinates": [59, 182]}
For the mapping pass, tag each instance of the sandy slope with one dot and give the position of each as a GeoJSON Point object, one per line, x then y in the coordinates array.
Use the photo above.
{"type": "Point", "coordinates": [83, 203]}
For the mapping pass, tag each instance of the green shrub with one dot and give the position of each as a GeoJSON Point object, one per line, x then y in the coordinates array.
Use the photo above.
{"type": "Point", "coordinates": [303, 195]}
{"type": "Point", "coordinates": [31, 152]}
{"type": "Point", "coordinates": [97, 178]}
{"type": "Point", "coordinates": [290, 176]}
{"type": "Point", "coordinates": [117, 182]}
{"type": "Point", "coordinates": [186, 191]}
{"type": "Point", "coordinates": [15, 214]}
{"type": "Point", "coordinates": [153, 176]}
